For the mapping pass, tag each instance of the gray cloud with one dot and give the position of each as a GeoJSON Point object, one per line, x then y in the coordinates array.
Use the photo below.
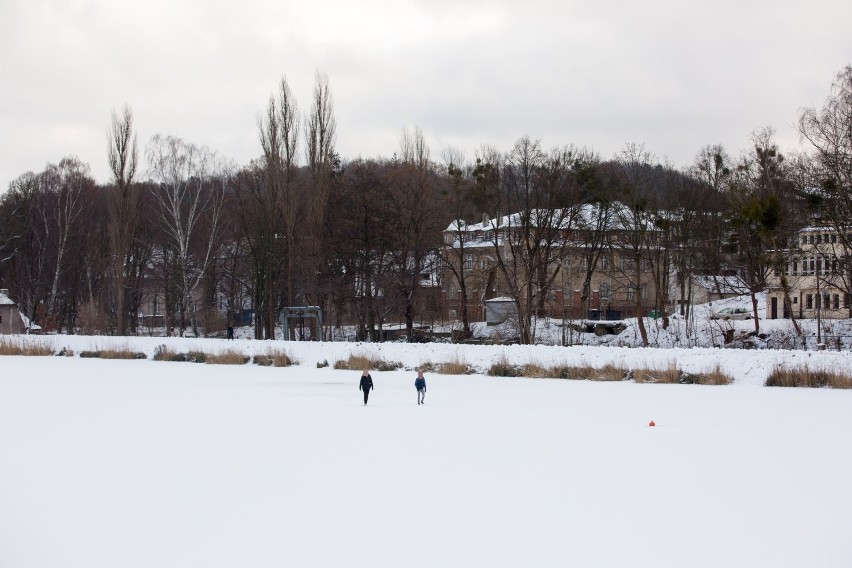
{"type": "Point", "coordinates": [674, 75]}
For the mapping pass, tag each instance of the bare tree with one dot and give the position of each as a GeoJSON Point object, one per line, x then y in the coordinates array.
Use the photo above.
{"type": "Point", "coordinates": [828, 131]}
{"type": "Point", "coordinates": [537, 194]}
{"type": "Point", "coordinates": [123, 202]}
{"type": "Point", "coordinates": [413, 218]}
{"type": "Point", "coordinates": [760, 190]}
{"type": "Point", "coordinates": [321, 133]}
{"type": "Point", "coordinates": [456, 198]}
{"type": "Point", "coordinates": [189, 196]}
{"type": "Point", "coordinates": [274, 208]}
{"type": "Point", "coordinates": [68, 182]}
{"type": "Point", "coordinates": [636, 218]}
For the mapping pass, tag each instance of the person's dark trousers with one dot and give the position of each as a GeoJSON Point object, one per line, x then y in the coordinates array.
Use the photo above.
{"type": "Point", "coordinates": [366, 395]}
{"type": "Point", "coordinates": [421, 396]}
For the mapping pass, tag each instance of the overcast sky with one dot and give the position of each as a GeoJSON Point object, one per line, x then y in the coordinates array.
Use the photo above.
{"type": "Point", "coordinates": [673, 74]}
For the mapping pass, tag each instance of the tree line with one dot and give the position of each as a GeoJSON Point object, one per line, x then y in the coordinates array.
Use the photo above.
{"type": "Point", "coordinates": [301, 225]}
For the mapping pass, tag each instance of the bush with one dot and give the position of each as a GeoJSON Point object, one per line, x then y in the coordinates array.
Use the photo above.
{"type": "Point", "coordinates": [323, 363]}
{"type": "Point", "coordinates": [166, 353]}
{"type": "Point", "coordinates": [277, 358]}
{"type": "Point", "coordinates": [90, 354]}
{"type": "Point", "coordinates": [714, 376]}
{"type": "Point", "coordinates": [502, 368]}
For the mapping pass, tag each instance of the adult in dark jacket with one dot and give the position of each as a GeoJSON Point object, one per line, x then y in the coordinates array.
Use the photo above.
{"type": "Point", "coordinates": [420, 385]}
{"type": "Point", "coordinates": [366, 384]}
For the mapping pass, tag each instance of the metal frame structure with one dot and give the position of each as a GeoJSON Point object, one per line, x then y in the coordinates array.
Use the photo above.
{"type": "Point", "coordinates": [299, 314]}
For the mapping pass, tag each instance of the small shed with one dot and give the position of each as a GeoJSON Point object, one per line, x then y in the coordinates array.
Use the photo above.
{"type": "Point", "coordinates": [498, 310]}
{"type": "Point", "coordinates": [12, 321]}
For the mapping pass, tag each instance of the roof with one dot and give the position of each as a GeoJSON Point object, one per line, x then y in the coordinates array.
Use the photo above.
{"type": "Point", "coordinates": [5, 300]}
{"type": "Point", "coordinates": [583, 217]}
{"type": "Point", "coordinates": [28, 324]}
{"type": "Point", "coordinates": [721, 284]}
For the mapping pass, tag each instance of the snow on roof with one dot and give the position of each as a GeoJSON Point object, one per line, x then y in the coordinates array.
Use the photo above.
{"type": "Point", "coordinates": [585, 216]}
{"type": "Point", "coordinates": [722, 284]}
{"type": "Point", "coordinates": [4, 299]}
{"type": "Point", "coordinates": [28, 324]}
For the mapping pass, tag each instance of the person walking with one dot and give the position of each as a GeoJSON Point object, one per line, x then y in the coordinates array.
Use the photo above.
{"type": "Point", "coordinates": [366, 384]}
{"type": "Point", "coordinates": [420, 385]}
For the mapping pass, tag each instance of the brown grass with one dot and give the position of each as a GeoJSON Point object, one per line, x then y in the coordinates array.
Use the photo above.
{"type": "Point", "coordinates": [608, 373]}
{"type": "Point", "coordinates": [9, 346]}
{"type": "Point", "coordinates": [713, 376]}
{"type": "Point", "coordinates": [668, 374]}
{"type": "Point", "coordinates": [120, 353]}
{"type": "Point", "coordinates": [805, 376]}
{"type": "Point", "coordinates": [502, 368]}
{"type": "Point", "coordinates": [275, 358]}
{"type": "Point", "coordinates": [455, 366]}
{"type": "Point", "coordinates": [166, 353]}
{"type": "Point", "coordinates": [226, 357]}
{"type": "Point", "coordinates": [361, 361]}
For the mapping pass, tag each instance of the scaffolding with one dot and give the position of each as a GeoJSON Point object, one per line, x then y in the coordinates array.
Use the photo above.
{"type": "Point", "coordinates": [296, 316]}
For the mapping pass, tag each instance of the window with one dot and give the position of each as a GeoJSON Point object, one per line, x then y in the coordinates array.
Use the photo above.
{"type": "Point", "coordinates": [604, 262]}
{"type": "Point", "coordinates": [468, 262]}
{"type": "Point", "coordinates": [837, 301]}
{"type": "Point", "coordinates": [819, 266]}
{"type": "Point", "coordinates": [795, 300]}
{"type": "Point", "coordinates": [631, 293]}
{"type": "Point", "coordinates": [809, 302]}
{"type": "Point", "coordinates": [818, 239]}
{"type": "Point", "coordinates": [834, 238]}
{"type": "Point", "coordinates": [604, 290]}
{"type": "Point", "coordinates": [795, 266]}
{"type": "Point", "coordinates": [846, 299]}
{"type": "Point", "coordinates": [826, 301]}
{"type": "Point", "coordinates": [644, 293]}
{"type": "Point", "coordinates": [811, 239]}
{"type": "Point", "coordinates": [804, 240]}
{"type": "Point", "coordinates": [818, 301]}
{"type": "Point", "coordinates": [627, 264]}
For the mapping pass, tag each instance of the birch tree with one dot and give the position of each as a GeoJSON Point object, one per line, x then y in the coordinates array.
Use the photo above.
{"type": "Point", "coordinates": [190, 193]}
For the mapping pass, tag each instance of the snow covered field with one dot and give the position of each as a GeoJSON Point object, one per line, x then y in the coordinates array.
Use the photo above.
{"type": "Point", "coordinates": [144, 463]}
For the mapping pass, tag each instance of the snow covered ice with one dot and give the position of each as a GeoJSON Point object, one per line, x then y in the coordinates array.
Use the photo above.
{"type": "Point", "coordinates": [143, 463]}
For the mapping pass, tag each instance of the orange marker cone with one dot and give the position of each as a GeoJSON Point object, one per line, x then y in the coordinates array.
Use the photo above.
{"type": "Point", "coordinates": [651, 423]}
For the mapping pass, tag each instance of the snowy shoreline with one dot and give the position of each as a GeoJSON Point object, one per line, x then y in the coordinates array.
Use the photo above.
{"type": "Point", "coordinates": [747, 367]}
